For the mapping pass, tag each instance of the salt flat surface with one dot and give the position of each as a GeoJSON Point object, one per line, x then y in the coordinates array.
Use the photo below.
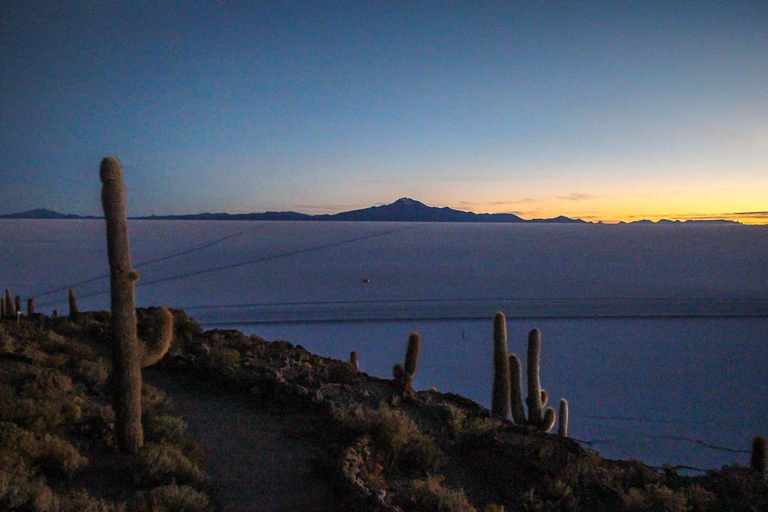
{"type": "Point", "coordinates": [638, 382]}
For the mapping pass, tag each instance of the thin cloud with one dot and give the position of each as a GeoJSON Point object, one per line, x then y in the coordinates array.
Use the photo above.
{"type": "Point", "coordinates": [752, 214]}
{"type": "Point", "coordinates": [527, 200]}
{"type": "Point", "coordinates": [575, 196]}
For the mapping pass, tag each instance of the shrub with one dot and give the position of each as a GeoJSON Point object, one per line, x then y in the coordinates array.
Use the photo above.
{"type": "Point", "coordinates": [171, 498]}
{"type": "Point", "coordinates": [398, 440]}
{"type": "Point", "coordinates": [655, 498]}
{"type": "Point", "coordinates": [431, 495]}
{"type": "Point", "coordinates": [79, 500]}
{"type": "Point", "coordinates": [160, 428]}
{"type": "Point", "coordinates": [156, 464]}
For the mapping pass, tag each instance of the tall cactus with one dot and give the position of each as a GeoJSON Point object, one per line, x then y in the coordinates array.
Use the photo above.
{"type": "Point", "coordinates": [757, 456]}
{"type": "Point", "coordinates": [500, 398]}
{"type": "Point", "coordinates": [31, 306]}
{"type": "Point", "coordinates": [73, 311]}
{"type": "Point", "coordinates": [404, 374]}
{"type": "Point", "coordinates": [18, 304]}
{"type": "Point", "coordinates": [125, 347]}
{"type": "Point", "coordinates": [536, 400]}
{"type": "Point", "coordinates": [533, 400]}
{"type": "Point", "coordinates": [354, 361]}
{"type": "Point", "coordinates": [4, 309]}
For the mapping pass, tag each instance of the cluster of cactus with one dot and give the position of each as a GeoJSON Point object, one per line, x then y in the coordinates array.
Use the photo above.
{"type": "Point", "coordinates": [508, 383]}
{"type": "Point", "coordinates": [404, 374]}
{"type": "Point", "coordinates": [129, 355]}
{"type": "Point", "coordinates": [10, 306]}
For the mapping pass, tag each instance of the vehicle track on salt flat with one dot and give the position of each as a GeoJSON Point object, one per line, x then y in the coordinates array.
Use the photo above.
{"type": "Point", "coordinates": [259, 460]}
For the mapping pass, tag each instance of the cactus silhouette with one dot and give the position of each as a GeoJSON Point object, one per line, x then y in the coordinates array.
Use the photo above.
{"type": "Point", "coordinates": [757, 456]}
{"type": "Point", "coordinates": [4, 312]}
{"type": "Point", "coordinates": [536, 400]}
{"type": "Point", "coordinates": [404, 374]}
{"type": "Point", "coordinates": [501, 376]}
{"type": "Point", "coordinates": [562, 425]}
{"type": "Point", "coordinates": [30, 306]}
{"type": "Point", "coordinates": [125, 347]}
{"type": "Point", "coordinates": [10, 310]}
{"type": "Point", "coordinates": [73, 311]}
{"type": "Point", "coordinates": [18, 304]}
{"type": "Point", "coordinates": [353, 360]}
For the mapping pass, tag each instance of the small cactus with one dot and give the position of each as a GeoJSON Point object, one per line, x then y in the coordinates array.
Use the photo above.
{"type": "Point", "coordinates": [10, 310]}
{"type": "Point", "coordinates": [562, 426]}
{"type": "Point", "coordinates": [30, 306]}
{"type": "Point", "coordinates": [412, 354]}
{"type": "Point", "coordinates": [55, 313]}
{"type": "Point", "coordinates": [539, 415]}
{"type": "Point", "coordinates": [353, 360]}
{"type": "Point", "coordinates": [404, 374]}
{"type": "Point", "coordinates": [73, 311]}
{"type": "Point", "coordinates": [18, 305]}
{"type": "Point", "coordinates": [500, 398]}
{"type": "Point", "coordinates": [757, 456]}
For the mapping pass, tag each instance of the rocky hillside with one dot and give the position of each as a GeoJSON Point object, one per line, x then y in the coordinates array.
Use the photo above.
{"type": "Point", "coordinates": [385, 446]}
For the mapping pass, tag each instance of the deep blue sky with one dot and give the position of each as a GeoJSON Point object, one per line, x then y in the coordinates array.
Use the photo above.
{"type": "Point", "coordinates": [599, 110]}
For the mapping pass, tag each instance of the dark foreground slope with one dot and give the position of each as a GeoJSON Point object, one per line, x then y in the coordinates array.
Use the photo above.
{"type": "Point", "coordinates": [377, 448]}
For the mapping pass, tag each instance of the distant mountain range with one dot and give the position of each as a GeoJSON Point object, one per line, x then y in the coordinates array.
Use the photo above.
{"type": "Point", "coordinates": [402, 210]}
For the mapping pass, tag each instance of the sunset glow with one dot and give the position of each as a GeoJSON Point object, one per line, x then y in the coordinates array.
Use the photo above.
{"type": "Point", "coordinates": [603, 111]}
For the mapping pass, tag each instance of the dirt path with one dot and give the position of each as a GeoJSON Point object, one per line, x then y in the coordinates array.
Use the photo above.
{"type": "Point", "coordinates": [259, 460]}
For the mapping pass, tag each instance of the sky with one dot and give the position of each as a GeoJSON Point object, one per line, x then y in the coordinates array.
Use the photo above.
{"type": "Point", "coordinates": [597, 110]}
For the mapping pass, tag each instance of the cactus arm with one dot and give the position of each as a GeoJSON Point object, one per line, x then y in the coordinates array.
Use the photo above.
{"type": "Point", "coordinates": [548, 421]}
{"type": "Point", "coordinates": [125, 348]}
{"type": "Point", "coordinates": [154, 348]}
{"type": "Point", "coordinates": [562, 426]}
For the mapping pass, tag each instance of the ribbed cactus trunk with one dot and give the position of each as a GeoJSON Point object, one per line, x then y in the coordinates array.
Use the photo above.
{"type": "Point", "coordinates": [125, 348]}
{"type": "Point", "coordinates": [18, 304]}
{"type": "Point", "coordinates": [535, 414]}
{"type": "Point", "coordinates": [500, 398]}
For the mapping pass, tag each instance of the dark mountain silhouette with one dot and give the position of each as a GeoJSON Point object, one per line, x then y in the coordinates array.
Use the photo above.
{"type": "Point", "coordinates": [410, 210]}
{"type": "Point", "coordinates": [402, 210]}
{"type": "Point", "coordinates": [42, 213]}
